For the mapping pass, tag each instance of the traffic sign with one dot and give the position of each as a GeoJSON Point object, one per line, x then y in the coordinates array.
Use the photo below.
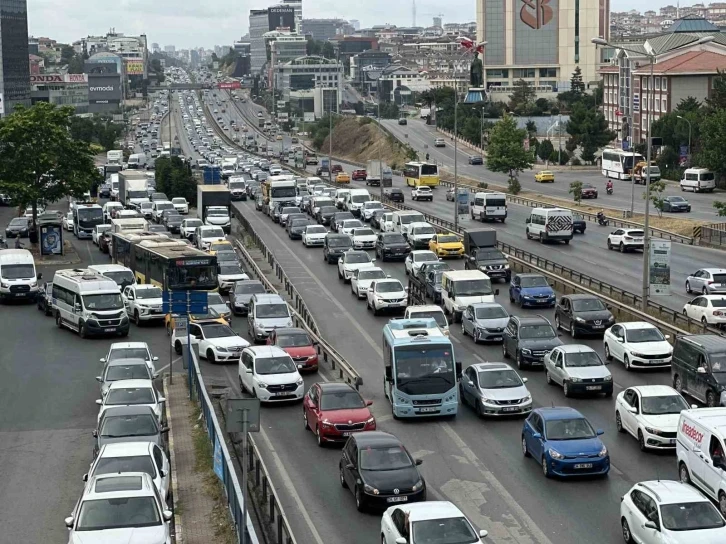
{"type": "Point", "coordinates": [181, 322]}
{"type": "Point", "coordinates": [184, 302]}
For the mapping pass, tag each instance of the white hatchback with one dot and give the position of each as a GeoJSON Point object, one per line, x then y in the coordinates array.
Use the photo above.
{"type": "Point", "coordinates": [362, 278]}
{"type": "Point", "coordinates": [403, 523]}
{"type": "Point", "coordinates": [708, 309]}
{"type": "Point", "coordinates": [314, 235]}
{"type": "Point", "coordinates": [132, 393]}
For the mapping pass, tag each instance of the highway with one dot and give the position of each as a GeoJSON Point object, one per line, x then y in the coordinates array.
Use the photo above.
{"type": "Point", "coordinates": [477, 464]}
{"type": "Point", "coordinates": [421, 137]}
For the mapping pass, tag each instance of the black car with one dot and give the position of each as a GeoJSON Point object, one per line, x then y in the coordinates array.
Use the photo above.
{"type": "Point", "coordinates": [578, 223]}
{"type": "Point", "coordinates": [676, 204]}
{"type": "Point", "coordinates": [325, 214]}
{"type": "Point", "coordinates": [476, 160]}
{"type": "Point", "coordinates": [425, 268]}
{"type": "Point", "coordinates": [433, 285]}
{"type": "Point", "coordinates": [172, 220]}
{"type": "Point", "coordinates": [402, 121]}
{"type": "Point", "coordinates": [296, 227]}
{"type": "Point", "coordinates": [18, 227]}
{"type": "Point", "coordinates": [379, 471]}
{"type": "Point", "coordinates": [241, 294]}
{"type": "Point", "coordinates": [528, 339]}
{"type": "Point", "coordinates": [120, 424]}
{"type": "Point", "coordinates": [376, 218]}
{"type": "Point", "coordinates": [44, 298]}
{"type": "Point", "coordinates": [394, 194]}
{"type": "Point", "coordinates": [104, 190]}
{"type": "Point", "coordinates": [491, 261]}
{"type": "Point", "coordinates": [157, 228]}
{"type": "Point", "coordinates": [159, 197]}
{"type": "Point", "coordinates": [392, 245]}
{"type": "Point", "coordinates": [582, 314]}
{"type": "Point", "coordinates": [338, 219]}
{"type": "Point", "coordinates": [334, 246]}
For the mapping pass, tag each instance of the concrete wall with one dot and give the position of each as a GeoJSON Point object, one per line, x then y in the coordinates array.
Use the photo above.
{"type": "Point", "coordinates": [683, 87]}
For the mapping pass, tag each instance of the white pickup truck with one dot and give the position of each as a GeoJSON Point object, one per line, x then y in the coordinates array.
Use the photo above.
{"type": "Point", "coordinates": [422, 193]}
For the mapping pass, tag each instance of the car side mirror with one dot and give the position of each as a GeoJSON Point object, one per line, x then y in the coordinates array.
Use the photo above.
{"type": "Point", "coordinates": [457, 366]}
{"type": "Point", "coordinates": [667, 336]}
{"type": "Point", "coordinates": [99, 379]}
{"type": "Point", "coordinates": [94, 433]}
{"type": "Point", "coordinates": [162, 473]}
{"type": "Point", "coordinates": [536, 435]}
{"type": "Point", "coordinates": [350, 466]}
{"type": "Point", "coordinates": [162, 399]}
{"type": "Point", "coordinates": [401, 540]}
{"type": "Point", "coordinates": [164, 430]}
{"type": "Point", "coordinates": [154, 358]}
{"type": "Point", "coordinates": [632, 409]}
{"type": "Point", "coordinates": [525, 380]}
{"type": "Point", "coordinates": [248, 370]}
{"type": "Point", "coordinates": [701, 370]}
{"type": "Point", "coordinates": [76, 307]}
{"type": "Point", "coordinates": [558, 364]}
{"type": "Point", "coordinates": [651, 525]}
{"type": "Point", "coordinates": [167, 514]}
{"type": "Point", "coordinates": [621, 339]}
{"type": "Point", "coordinates": [418, 462]}
{"type": "Point", "coordinates": [85, 477]}
{"type": "Point", "coordinates": [470, 383]}
{"type": "Point", "coordinates": [483, 533]}
{"type": "Point", "coordinates": [389, 376]}
{"type": "Point", "coordinates": [69, 522]}
{"type": "Point", "coordinates": [40, 275]}
{"type": "Point", "coordinates": [600, 432]}
{"type": "Point", "coordinates": [528, 220]}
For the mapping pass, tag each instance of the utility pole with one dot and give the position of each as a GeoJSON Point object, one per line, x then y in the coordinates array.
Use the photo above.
{"type": "Point", "coordinates": [646, 241]}
{"type": "Point", "coordinates": [380, 128]}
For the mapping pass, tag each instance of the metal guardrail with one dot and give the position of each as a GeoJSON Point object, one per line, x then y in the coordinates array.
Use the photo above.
{"type": "Point", "coordinates": [232, 488]}
{"type": "Point", "coordinates": [713, 234]}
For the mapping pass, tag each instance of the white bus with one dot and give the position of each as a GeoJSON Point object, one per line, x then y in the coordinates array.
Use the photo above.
{"type": "Point", "coordinates": [618, 164]}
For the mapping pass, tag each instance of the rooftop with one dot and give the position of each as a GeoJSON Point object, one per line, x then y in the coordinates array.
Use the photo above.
{"type": "Point", "coordinates": [692, 62]}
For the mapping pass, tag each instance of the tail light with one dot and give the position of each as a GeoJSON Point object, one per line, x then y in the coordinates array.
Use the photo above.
{"type": "Point", "coordinates": [718, 313]}
{"type": "Point", "coordinates": [628, 238]}
{"type": "Point", "coordinates": [710, 282]}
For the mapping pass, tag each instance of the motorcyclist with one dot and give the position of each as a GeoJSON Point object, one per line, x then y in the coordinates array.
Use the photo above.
{"type": "Point", "coordinates": [427, 156]}
{"type": "Point", "coordinates": [601, 219]}
{"type": "Point", "coordinates": [609, 186]}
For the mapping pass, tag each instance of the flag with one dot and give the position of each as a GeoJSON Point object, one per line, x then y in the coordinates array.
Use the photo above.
{"type": "Point", "coordinates": [465, 42]}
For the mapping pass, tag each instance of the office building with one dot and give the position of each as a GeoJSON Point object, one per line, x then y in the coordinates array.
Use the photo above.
{"type": "Point", "coordinates": [33, 46]}
{"type": "Point", "coordinates": [61, 90]}
{"type": "Point", "coordinates": [355, 23]}
{"type": "Point", "coordinates": [347, 46]}
{"type": "Point", "coordinates": [259, 26]}
{"type": "Point", "coordinates": [242, 47]}
{"type": "Point", "coordinates": [437, 22]}
{"type": "Point", "coordinates": [309, 72]}
{"type": "Point", "coordinates": [297, 7]}
{"type": "Point", "coordinates": [323, 29]}
{"type": "Point", "coordinates": [170, 49]}
{"type": "Point", "coordinates": [365, 68]}
{"type": "Point", "coordinates": [541, 41]}
{"type": "Point", "coordinates": [15, 63]}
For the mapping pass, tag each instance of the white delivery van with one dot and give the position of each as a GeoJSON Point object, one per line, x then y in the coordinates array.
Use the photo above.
{"type": "Point", "coordinates": [549, 224]}
{"type": "Point", "coordinates": [459, 288]}
{"type": "Point", "coordinates": [700, 451]}
{"type": "Point", "coordinates": [489, 207]}
{"type": "Point", "coordinates": [402, 220]}
{"type": "Point", "coordinates": [19, 280]}
{"type": "Point", "coordinates": [355, 200]}
{"type": "Point", "coordinates": [88, 303]}
{"type": "Point", "coordinates": [697, 180]}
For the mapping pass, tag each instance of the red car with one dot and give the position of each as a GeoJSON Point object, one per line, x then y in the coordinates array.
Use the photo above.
{"type": "Point", "coordinates": [336, 168]}
{"type": "Point", "coordinates": [298, 345]}
{"type": "Point", "coordinates": [589, 191]}
{"type": "Point", "coordinates": [358, 175]}
{"type": "Point", "coordinates": [333, 411]}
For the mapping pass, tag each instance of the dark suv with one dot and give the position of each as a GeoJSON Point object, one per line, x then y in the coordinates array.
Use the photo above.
{"type": "Point", "coordinates": [491, 261]}
{"type": "Point", "coordinates": [392, 245]}
{"type": "Point", "coordinates": [698, 367]}
{"type": "Point", "coordinates": [528, 339]}
{"type": "Point", "coordinates": [582, 314]}
{"type": "Point", "coordinates": [334, 245]}
{"type": "Point", "coordinates": [394, 194]}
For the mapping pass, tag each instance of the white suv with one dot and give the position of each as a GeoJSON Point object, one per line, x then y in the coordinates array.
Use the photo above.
{"type": "Point", "coordinates": [143, 302]}
{"type": "Point", "coordinates": [626, 240]}
{"type": "Point", "coordinates": [270, 374]}
{"type": "Point", "coordinates": [388, 294]}
{"type": "Point", "coordinates": [353, 260]}
{"type": "Point", "coordinates": [362, 278]}
{"type": "Point", "coordinates": [217, 342]}
{"type": "Point", "coordinates": [422, 193]}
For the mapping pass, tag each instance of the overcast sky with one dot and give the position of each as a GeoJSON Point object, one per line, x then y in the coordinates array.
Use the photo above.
{"type": "Point", "coordinates": [187, 23]}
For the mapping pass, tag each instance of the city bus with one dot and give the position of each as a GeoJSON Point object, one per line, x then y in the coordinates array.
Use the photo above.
{"type": "Point", "coordinates": [420, 372]}
{"type": "Point", "coordinates": [618, 164]}
{"type": "Point", "coordinates": [421, 173]}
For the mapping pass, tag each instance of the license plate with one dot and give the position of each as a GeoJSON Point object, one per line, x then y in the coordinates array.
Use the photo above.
{"type": "Point", "coordinates": [583, 465]}
{"type": "Point", "coordinates": [656, 362]}
{"type": "Point", "coordinates": [510, 409]}
{"type": "Point", "coordinates": [593, 387]}
{"type": "Point", "coordinates": [397, 499]}
{"type": "Point", "coordinates": [431, 409]}
{"type": "Point", "coordinates": [20, 294]}
{"type": "Point", "coordinates": [496, 338]}
{"type": "Point", "coordinates": [346, 433]}
{"type": "Point", "coordinates": [281, 394]}
{"type": "Point", "coordinates": [598, 326]}
{"type": "Point", "coordinates": [638, 239]}
{"type": "Point", "coordinates": [301, 366]}
{"type": "Point", "coordinates": [112, 329]}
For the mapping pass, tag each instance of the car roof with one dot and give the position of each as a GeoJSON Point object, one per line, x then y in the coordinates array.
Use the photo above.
{"type": "Point", "coordinates": [127, 361]}
{"type": "Point", "coordinates": [485, 367]}
{"type": "Point", "coordinates": [529, 275]}
{"type": "Point", "coordinates": [331, 387]}
{"type": "Point", "coordinates": [267, 351]}
{"type": "Point", "coordinates": [425, 308]}
{"type": "Point", "coordinates": [714, 270]}
{"type": "Point", "coordinates": [710, 342]}
{"type": "Point", "coordinates": [126, 484]}
{"type": "Point", "coordinates": [375, 438]}
{"type": "Point", "coordinates": [144, 286]}
{"type": "Point", "coordinates": [124, 449]}
{"type": "Point", "coordinates": [654, 390]}
{"type": "Point", "coordinates": [289, 330]}
{"type": "Point", "coordinates": [580, 296]}
{"type": "Point", "coordinates": [132, 384]}
{"type": "Point", "coordinates": [575, 348]}
{"type": "Point", "coordinates": [268, 298]}
{"type": "Point", "coordinates": [531, 320]}
{"type": "Point", "coordinates": [637, 325]}
{"type": "Point", "coordinates": [559, 412]}
{"type": "Point", "coordinates": [669, 491]}
{"type": "Point", "coordinates": [127, 345]}
{"type": "Point", "coordinates": [420, 511]}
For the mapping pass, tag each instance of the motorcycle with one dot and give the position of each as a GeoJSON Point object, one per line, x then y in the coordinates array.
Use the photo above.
{"type": "Point", "coordinates": [602, 221]}
{"type": "Point", "coordinates": [609, 190]}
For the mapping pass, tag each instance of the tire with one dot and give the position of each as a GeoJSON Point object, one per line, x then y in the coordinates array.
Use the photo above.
{"type": "Point", "coordinates": [608, 355]}
{"type": "Point", "coordinates": [478, 409]}
{"type": "Point", "coordinates": [610, 246]}
{"type": "Point", "coordinates": [178, 347]}
{"type": "Point", "coordinates": [549, 379]}
{"type": "Point", "coordinates": [541, 238]}
{"type": "Point", "coordinates": [545, 468]}
{"type": "Point", "coordinates": [619, 423]}
{"type": "Point", "coordinates": [58, 320]}
{"type": "Point", "coordinates": [711, 399]}
{"type": "Point", "coordinates": [566, 389]}
{"type": "Point", "coordinates": [627, 537]}
{"type": "Point", "coordinates": [82, 332]}
{"type": "Point", "coordinates": [573, 332]}
{"type": "Point", "coordinates": [318, 438]}
{"type": "Point", "coordinates": [722, 498]}
{"type": "Point", "coordinates": [505, 353]}
{"type": "Point", "coordinates": [210, 357]}
{"type": "Point", "coordinates": [463, 330]}
{"type": "Point", "coordinates": [704, 291]}
{"type": "Point", "coordinates": [641, 441]}
{"type": "Point", "coordinates": [622, 248]}
{"type": "Point", "coordinates": [137, 319]}
{"type": "Point", "coordinates": [626, 362]}
{"type": "Point", "coordinates": [520, 362]}
{"type": "Point", "coordinates": [678, 384]}
{"type": "Point", "coordinates": [342, 479]}
{"type": "Point", "coordinates": [360, 506]}
{"type": "Point", "coordinates": [375, 310]}
{"type": "Point", "coordinates": [703, 320]}
{"type": "Point", "coordinates": [340, 276]}
{"type": "Point", "coordinates": [683, 475]}
{"type": "Point", "coordinates": [557, 323]}
{"type": "Point", "coordinates": [525, 451]}
{"type": "Point", "coordinates": [688, 287]}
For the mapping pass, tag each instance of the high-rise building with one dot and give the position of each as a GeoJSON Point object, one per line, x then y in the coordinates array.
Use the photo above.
{"type": "Point", "coordinates": [355, 23]}
{"type": "Point", "coordinates": [15, 73]}
{"type": "Point", "coordinates": [541, 41]}
{"type": "Point", "coordinates": [297, 6]}
{"type": "Point", "coordinates": [169, 49]}
{"type": "Point", "coordinates": [259, 26]}
{"type": "Point", "coordinates": [437, 22]}
{"type": "Point", "coordinates": [155, 48]}
{"type": "Point", "coordinates": [323, 29]}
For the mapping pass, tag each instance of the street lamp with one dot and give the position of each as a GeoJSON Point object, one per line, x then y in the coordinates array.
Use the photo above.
{"type": "Point", "coordinates": [650, 100]}
{"type": "Point", "coordinates": [689, 136]}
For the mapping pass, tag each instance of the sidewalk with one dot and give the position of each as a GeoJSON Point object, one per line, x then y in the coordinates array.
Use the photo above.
{"type": "Point", "coordinates": [193, 507]}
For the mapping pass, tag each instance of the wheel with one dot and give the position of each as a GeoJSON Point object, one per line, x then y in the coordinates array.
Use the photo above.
{"type": "Point", "coordinates": [477, 336]}
{"type": "Point", "coordinates": [526, 233]}
{"type": "Point", "coordinates": [178, 347]}
{"type": "Point", "coordinates": [375, 310]}
{"type": "Point", "coordinates": [610, 246]}
{"type": "Point", "coordinates": [711, 399]}
{"type": "Point", "coordinates": [683, 475]}
{"type": "Point", "coordinates": [319, 437]}
{"type": "Point", "coordinates": [627, 537]}
{"type": "Point", "coordinates": [525, 451]}
{"type": "Point", "coordinates": [359, 500]}
{"type": "Point", "coordinates": [340, 276]}
{"type": "Point", "coordinates": [703, 320]}
{"type": "Point", "coordinates": [619, 423]}
{"type": "Point", "coordinates": [520, 362]}
{"type": "Point", "coordinates": [641, 441]}
{"type": "Point", "coordinates": [58, 320]}
{"type": "Point", "coordinates": [549, 379]}
{"type": "Point", "coordinates": [463, 329]}
{"type": "Point", "coordinates": [511, 298]}
{"type": "Point", "coordinates": [688, 287]}
{"type": "Point", "coordinates": [137, 319]}
{"type": "Point", "coordinates": [678, 383]}
{"type": "Point", "coordinates": [545, 468]}
{"type": "Point", "coordinates": [82, 332]}
{"type": "Point", "coordinates": [622, 248]}
{"type": "Point", "coordinates": [722, 501]}
{"type": "Point", "coordinates": [566, 389]}
{"type": "Point", "coordinates": [704, 291]}
{"type": "Point", "coordinates": [479, 409]}
{"type": "Point", "coordinates": [505, 353]}
{"type": "Point", "coordinates": [541, 238]}
{"type": "Point", "coordinates": [210, 356]}
{"type": "Point", "coordinates": [608, 355]}
{"type": "Point", "coordinates": [368, 305]}
{"type": "Point", "coordinates": [342, 479]}
{"type": "Point", "coordinates": [626, 362]}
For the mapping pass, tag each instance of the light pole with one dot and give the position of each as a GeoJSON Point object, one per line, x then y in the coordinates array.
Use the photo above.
{"type": "Point", "coordinates": [380, 129]}
{"type": "Point", "coordinates": [689, 136]}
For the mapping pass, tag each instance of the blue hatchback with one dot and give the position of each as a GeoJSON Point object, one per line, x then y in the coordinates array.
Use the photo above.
{"type": "Point", "coordinates": [531, 290]}
{"type": "Point", "coordinates": [564, 443]}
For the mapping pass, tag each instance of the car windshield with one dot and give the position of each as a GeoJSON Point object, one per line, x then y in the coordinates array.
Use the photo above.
{"type": "Point", "coordinates": [178, 200]}
{"type": "Point", "coordinates": [718, 362]}
{"type": "Point", "coordinates": [499, 379]}
{"type": "Point", "coordinates": [17, 271]}
{"type": "Point", "coordinates": [426, 230]}
{"type": "Point", "coordinates": [588, 305]}
{"type": "Point", "coordinates": [121, 277]}
{"type": "Point", "coordinates": [268, 311]}
{"type": "Point", "coordinates": [103, 302]}
{"type": "Point", "coordinates": [417, 218]}
{"type": "Point", "coordinates": [114, 465]}
{"type": "Point", "coordinates": [149, 292]}
{"type": "Point", "coordinates": [357, 258]}
{"type": "Point", "coordinates": [425, 257]}
{"type": "Point", "coordinates": [214, 232]}
{"type": "Point", "coordinates": [394, 239]}
{"type": "Point", "coordinates": [217, 330]}
{"type": "Point", "coordinates": [293, 340]}
{"type": "Point", "coordinates": [373, 206]}
{"type": "Point", "coordinates": [128, 353]}
{"type": "Point", "coordinates": [436, 315]}
{"type": "Point", "coordinates": [384, 458]}
{"type": "Point", "coordinates": [288, 210]}
{"type": "Point", "coordinates": [676, 199]}
{"type": "Point", "coordinates": [128, 372]}
{"type": "Point", "coordinates": [582, 358]}
{"type": "Point", "coordinates": [21, 221]}
{"type": "Point", "coordinates": [360, 198]}
{"type": "Point", "coordinates": [371, 274]}
{"type": "Point", "coordinates": [491, 312]}
{"type": "Point", "coordinates": [364, 232]}
{"type": "Point", "coordinates": [352, 223]}
{"type": "Point", "coordinates": [448, 239]}
{"type": "Point", "coordinates": [275, 365]}
{"type": "Point", "coordinates": [130, 425]}
{"type": "Point", "coordinates": [530, 332]}
{"type": "Point", "coordinates": [568, 429]}
{"type": "Point", "coordinates": [471, 288]}
{"type": "Point", "coordinates": [444, 531]}
{"type": "Point", "coordinates": [339, 242]}
{"type": "Point", "coordinates": [130, 395]}
{"type": "Point", "coordinates": [534, 281]}
{"type": "Point", "coordinates": [118, 513]}
{"type": "Point", "coordinates": [389, 287]}
{"type": "Point", "coordinates": [193, 223]}
{"type": "Point", "coordinates": [665, 404]}
{"type": "Point", "coordinates": [230, 270]}
{"type": "Point", "coordinates": [226, 257]}
{"type": "Point", "coordinates": [650, 334]}
{"type": "Point", "coordinates": [316, 230]}
{"type": "Point", "coordinates": [691, 516]}
{"type": "Point", "coordinates": [424, 369]}
{"type": "Point", "coordinates": [341, 400]}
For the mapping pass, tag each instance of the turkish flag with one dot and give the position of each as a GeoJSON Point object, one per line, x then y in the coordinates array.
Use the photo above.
{"type": "Point", "coordinates": [466, 43]}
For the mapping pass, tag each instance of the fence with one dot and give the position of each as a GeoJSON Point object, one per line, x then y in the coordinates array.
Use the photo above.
{"type": "Point", "coordinates": [713, 235]}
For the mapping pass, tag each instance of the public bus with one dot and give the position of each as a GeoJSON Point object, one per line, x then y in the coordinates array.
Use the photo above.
{"type": "Point", "coordinates": [421, 173]}
{"type": "Point", "coordinates": [618, 164]}
{"type": "Point", "coordinates": [165, 262]}
{"type": "Point", "coordinates": [420, 372]}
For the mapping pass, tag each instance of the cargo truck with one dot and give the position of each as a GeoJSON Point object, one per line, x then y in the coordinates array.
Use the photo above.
{"type": "Point", "coordinates": [132, 188]}
{"type": "Point", "coordinates": [480, 246]}
{"type": "Point", "coordinates": [212, 196]}
{"type": "Point", "coordinates": [212, 175]}
{"type": "Point", "coordinates": [379, 173]}
{"type": "Point", "coordinates": [114, 156]}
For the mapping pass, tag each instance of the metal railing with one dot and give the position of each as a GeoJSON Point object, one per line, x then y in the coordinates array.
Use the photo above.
{"type": "Point", "coordinates": [713, 234]}
{"type": "Point", "coordinates": [232, 488]}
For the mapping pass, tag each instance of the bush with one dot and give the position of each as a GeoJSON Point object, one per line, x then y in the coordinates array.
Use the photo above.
{"type": "Point", "coordinates": [483, 185]}
{"type": "Point", "coordinates": [576, 162]}
{"type": "Point", "coordinates": [514, 186]}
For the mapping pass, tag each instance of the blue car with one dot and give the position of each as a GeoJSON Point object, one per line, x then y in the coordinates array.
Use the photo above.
{"type": "Point", "coordinates": [562, 440]}
{"type": "Point", "coordinates": [531, 290]}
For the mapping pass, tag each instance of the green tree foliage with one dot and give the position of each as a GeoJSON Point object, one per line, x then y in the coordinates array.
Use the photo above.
{"type": "Point", "coordinates": [505, 152]}
{"type": "Point", "coordinates": [543, 104]}
{"type": "Point", "coordinates": [545, 150]}
{"type": "Point", "coordinates": [576, 191]}
{"type": "Point", "coordinates": [720, 208]}
{"type": "Point", "coordinates": [588, 129]}
{"type": "Point", "coordinates": [96, 130]}
{"type": "Point", "coordinates": [158, 70]}
{"type": "Point", "coordinates": [713, 141]}
{"type": "Point", "coordinates": [521, 101]}
{"type": "Point", "coordinates": [656, 195]}
{"type": "Point", "coordinates": [513, 186]}
{"type": "Point", "coordinates": [320, 48]}
{"type": "Point", "coordinates": [67, 53]}
{"type": "Point", "coordinates": [389, 110]}
{"type": "Point", "coordinates": [174, 177]}
{"type": "Point", "coordinates": [40, 161]}
{"type": "Point", "coordinates": [717, 100]}
{"type": "Point", "coordinates": [576, 84]}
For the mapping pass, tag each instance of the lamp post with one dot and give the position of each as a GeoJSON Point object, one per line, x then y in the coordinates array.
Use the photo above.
{"type": "Point", "coordinates": [649, 102]}
{"type": "Point", "coordinates": [380, 129]}
{"type": "Point", "coordinates": [689, 136]}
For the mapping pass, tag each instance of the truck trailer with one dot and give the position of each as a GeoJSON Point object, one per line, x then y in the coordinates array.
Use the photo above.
{"type": "Point", "coordinates": [132, 188]}
{"type": "Point", "coordinates": [211, 195]}
{"type": "Point", "coordinates": [480, 246]}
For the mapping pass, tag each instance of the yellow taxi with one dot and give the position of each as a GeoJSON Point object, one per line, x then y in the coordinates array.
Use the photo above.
{"type": "Point", "coordinates": [278, 137]}
{"type": "Point", "coordinates": [545, 176]}
{"type": "Point", "coordinates": [210, 317]}
{"type": "Point", "coordinates": [342, 177]}
{"type": "Point", "coordinates": [447, 245]}
{"type": "Point", "coordinates": [220, 245]}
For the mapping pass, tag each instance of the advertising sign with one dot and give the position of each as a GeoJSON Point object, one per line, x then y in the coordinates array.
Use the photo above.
{"type": "Point", "coordinates": [536, 32]}
{"type": "Point", "coordinates": [218, 459]}
{"type": "Point", "coordinates": [683, 156]}
{"type": "Point", "coordinates": [44, 79]}
{"type": "Point", "coordinates": [636, 102]}
{"type": "Point", "coordinates": [660, 268]}
{"type": "Point", "coordinates": [229, 85]}
{"type": "Point", "coordinates": [462, 202]}
{"type": "Point", "coordinates": [282, 117]}
{"type": "Point", "coordinates": [309, 116]}
{"type": "Point", "coordinates": [104, 87]}
{"type": "Point", "coordinates": [51, 240]}
{"type": "Point", "coordinates": [281, 17]}
{"type": "Point", "coordinates": [281, 103]}
{"type": "Point", "coordinates": [134, 66]}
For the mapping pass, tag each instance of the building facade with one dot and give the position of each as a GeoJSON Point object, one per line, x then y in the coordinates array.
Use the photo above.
{"type": "Point", "coordinates": [14, 60]}
{"type": "Point", "coordinates": [322, 29]}
{"type": "Point", "coordinates": [298, 8]}
{"type": "Point", "coordinates": [61, 90]}
{"type": "Point", "coordinates": [309, 72]}
{"type": "Point", "coordinates": [259, 26]}
{"type": "Point", "coordinates": [365, 62]}
{"type": "Point", "coordinates": [541, 41]}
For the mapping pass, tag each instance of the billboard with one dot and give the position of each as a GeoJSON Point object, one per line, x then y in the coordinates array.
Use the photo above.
{"type": "Point", "coordinates": [55, 79]}
{"type": "Point", "coordinates": [134, 66]}
{"type": "Point", "coordinates": [104, 88]}
{"type": "Point", "coordinates": [536, 32]}
{"type": "Point", "coordinates": [229, 85]}
{"type": "Point", "coordinates": [660, 267]}
{"type": "Point", "coordinates": [281, 17]}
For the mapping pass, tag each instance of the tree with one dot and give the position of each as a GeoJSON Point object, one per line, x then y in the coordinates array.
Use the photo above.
{"type": "Point", "coordinates": [720, 208]}
{"type": "Point", "coordinates": [328, 50]}
{"type": "Point", "coordinates": [689, 104]}
{"type": "Point", "coordinates": [587, 128]}
{"type": "Point", "coordinates": [75, 64]}
{"type": "Point", "coordinates": [576, 191]}
{"type": "Point", "coordinates": [545, 149]}
{"type": "Point", "coordinates": [40, 162]}
{"type": "Point", "coordinates": [522, 99]}
{"type": "Point", "coordinates": [543, 104]}
{"type": "Point", "coordinates": [505, 152]}
{"type": "Point", "coordinates": [713, 142]}
{"type": "Point", "coordinates": [656, 195]}
{"type": "Point", "coordinates": [514, 187]}
{"type": "Point", "coordinates": [577, 86]}
{"type": "Point", "coordinates": [717, 100]}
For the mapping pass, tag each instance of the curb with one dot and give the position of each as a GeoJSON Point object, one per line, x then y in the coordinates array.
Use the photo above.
{"type": "Point", "coordinates": [178, 537]}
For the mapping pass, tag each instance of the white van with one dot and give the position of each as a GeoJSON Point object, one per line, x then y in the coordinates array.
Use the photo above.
{"type": "Point", "coordinates": [402, 220]}
{"type": "Point", "coordinates": [355, 199]}
{"type": "Point", "coordinates": [459, 288]}
{"type": "Point", "coordinates": [118, 273]}
{"type": "Point", "coordinates": [428, 311]}
{"type": "Point", "coordinates": [88, 303]}
{"type": "Point", "coordinates": [489, 207]}
{"type": "Point", "coordinates": [549, 224]}
{"type": "Point", "coordinates": [697, 180]}
{"type": "Point", "coordinates": [700, 451]}
{"type": "Point", "coordinates": [18, 275]}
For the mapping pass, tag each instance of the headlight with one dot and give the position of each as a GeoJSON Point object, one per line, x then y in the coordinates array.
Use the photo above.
{"type": "Point", "coordinates": [555, 454]}
{"type": "Point", "coordinates": [401, 400]}
{"type": "Point", "coordinates": [262, 385]}
{"type": "Point", "coordinates": [526, 351]}
{"type": "Point", "coordinates": [651, 430]}
{"type": "Point", "coordinates": [575, 380]}
{"type": "Point", "coordinates": [636, 354]}
{"type": "Point", "coordinates": [369, 489]}
{"type": "Point", "coordinates": [526, 296]}
{"type": "Point", "coordinates": [579, 320]}
{"type": "Point", "coordinates": [326, 423]}
{"type": "Point", "coordinates": [418, 485]}
{"type": "Point", "coordinates": [370, 420]}
{"type": "Point", "coordinates": [608, 378]}
{"type": "Point", "coordinates": [603, 452]}
{"type": "Point", "coordinates": [299, 382]}
{"type": "Point", "coordinates": [486, 399]}
{"type": "Point", "coordinates": [527, 399]}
